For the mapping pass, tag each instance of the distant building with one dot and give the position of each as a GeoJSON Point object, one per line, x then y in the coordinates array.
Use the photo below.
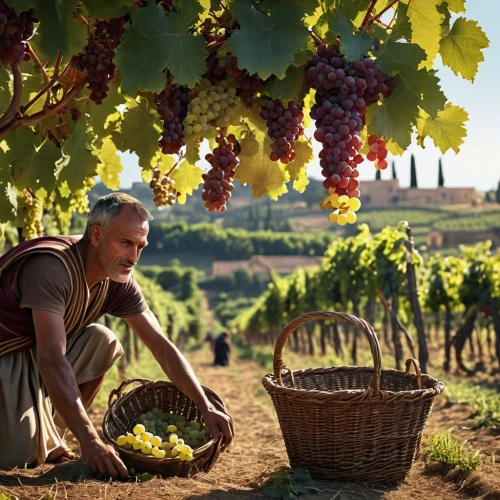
{"type": "Point", "coordinates": [438, 238]}
{"type": "Point", "coordinates": [263, 264]}
{"type": "Point", "coordinates": [383, 193]}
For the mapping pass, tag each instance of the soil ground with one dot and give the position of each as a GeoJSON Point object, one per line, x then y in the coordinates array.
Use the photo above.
{"type": "Point", "coordinates": [258, 451]}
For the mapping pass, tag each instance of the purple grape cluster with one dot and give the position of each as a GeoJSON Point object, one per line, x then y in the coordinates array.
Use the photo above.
{"type": "Point", "coordinates": [172, 107]}
{"type": "Point", "coordinates": [284, 125]}
{"type": "Point", "coordinates": [15, 30]}
{"type": "Point", "coordinates": [343, 91]}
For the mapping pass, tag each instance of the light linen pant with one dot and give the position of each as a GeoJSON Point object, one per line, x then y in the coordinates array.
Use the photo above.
{"type": "Point", "coordinates": [28, 431]}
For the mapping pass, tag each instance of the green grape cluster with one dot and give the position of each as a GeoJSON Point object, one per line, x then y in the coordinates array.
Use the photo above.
{"type": "Point", "coordinates": [32, 217]}
{"type": "Point", "coordinates": [164, 192]}
{"type": "Point", "coordinates": [212, 106]}
{"type": "Point", "coordinates": [80, 200]}
{"type": "Point", "coordinates": [165, 435]}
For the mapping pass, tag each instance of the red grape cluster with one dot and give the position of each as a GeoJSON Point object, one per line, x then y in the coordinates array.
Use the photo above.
{"type": "Point", "coordinates": [378, 152]}
{"type": "Point", "coordinates": [284, 125]}
{"type": "Point", "coordinates": [219, 179]}
{"type": "Point", "coordinates": [15, 29]}
{"type": "Point", "coordinates": [172, 107]}
{"type": "Point", "coordinates": [97, 57]}
{"type": "Point", "coordinates": [343, 90]}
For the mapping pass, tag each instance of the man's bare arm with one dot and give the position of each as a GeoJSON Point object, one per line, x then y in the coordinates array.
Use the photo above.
{"type": "Point", "coordinates": [179, 372]}
{"type": "Point", "coordinates": [60, 382]}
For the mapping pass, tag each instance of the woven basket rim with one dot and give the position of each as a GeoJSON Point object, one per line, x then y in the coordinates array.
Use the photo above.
{"type": "Point", "coordinates": [345, 395]}
{"type": "Point", "coordinates": [150, 385]}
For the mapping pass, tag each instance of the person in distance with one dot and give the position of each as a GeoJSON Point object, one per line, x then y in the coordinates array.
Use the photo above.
{"type": "Point", "coordinates": [53, 354]}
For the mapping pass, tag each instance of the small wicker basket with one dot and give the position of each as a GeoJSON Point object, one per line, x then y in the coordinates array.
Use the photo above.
{"type": "Point", "coordinates": [124, 411]}
{"type": "Point", "coordinates": [347, 422]}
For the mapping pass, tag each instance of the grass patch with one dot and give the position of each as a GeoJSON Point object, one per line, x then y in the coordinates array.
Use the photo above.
{"type": "Point", "coordinates": [486, 403]}
{"type": "Point", "coordinates": [446, 450]}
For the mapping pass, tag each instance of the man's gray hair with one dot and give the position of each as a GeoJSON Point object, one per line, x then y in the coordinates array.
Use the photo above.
{"type": "Point", "coordinates": [108, 207]}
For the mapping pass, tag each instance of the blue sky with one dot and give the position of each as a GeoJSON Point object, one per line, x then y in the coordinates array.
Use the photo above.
{"type": "Point", "coordinates": [477, 164]}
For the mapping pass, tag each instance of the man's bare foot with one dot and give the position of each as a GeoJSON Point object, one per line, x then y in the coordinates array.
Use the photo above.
{"type": "Point", "coordinates": [60, 455]}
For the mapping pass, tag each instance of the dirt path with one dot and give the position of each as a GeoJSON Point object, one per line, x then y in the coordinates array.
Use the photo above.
{"type": "Point", "coordinates": [257, 452]}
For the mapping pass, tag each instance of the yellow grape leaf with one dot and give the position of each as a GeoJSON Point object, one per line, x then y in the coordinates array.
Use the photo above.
{"type": "Point", "coordinates": [110, 164]}
{"type": "Point", "coordinates": [309, 102]}
{"type": "Point", "coordinates": [298, 168]}
{"type": "Point", "coordinates": [187, 178]}
{"type": "Point", "coordinates": [447, 129]}
{"type": "Point", "coordinates": [166, 162]}
{"type": "Point", "coordinates": [265, 176]}
{"type": "Point", "coordinates": [461, 47]}
{"type": "Point", "coordinates": [146, 175]}
{"type": "Point", "coordinates": [426, 22]}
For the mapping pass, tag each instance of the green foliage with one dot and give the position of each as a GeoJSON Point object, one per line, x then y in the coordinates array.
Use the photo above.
{"type": "Point", "coordinates": [42, 147]}
{"type": "Point", "coordinates": [288, 484]}
{"type": "Point", "coordinates": [443, 448]}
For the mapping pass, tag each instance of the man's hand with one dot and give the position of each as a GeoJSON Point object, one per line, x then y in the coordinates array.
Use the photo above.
{"type": "Point", "coordinates": [219, 423]}
{"type": "Point", "coordinates": [103, 458]}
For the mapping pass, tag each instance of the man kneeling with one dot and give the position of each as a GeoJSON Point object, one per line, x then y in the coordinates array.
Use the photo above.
{"type": "Point", "coordinates": [53, 354]}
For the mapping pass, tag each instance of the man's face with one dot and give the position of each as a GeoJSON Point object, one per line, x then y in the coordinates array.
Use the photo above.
{"type": "Point", "coordinates": [121, 243]}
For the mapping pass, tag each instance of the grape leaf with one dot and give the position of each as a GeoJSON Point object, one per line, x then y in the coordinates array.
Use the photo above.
{"type": "Point", "coordinates": [33, 82]}
{"type": "Point", "coordinates": [8, 196]}
{"type": "Point", "coordinates": [102, 115]}
{"type": "Point", "coordinates": [140, 131]}
{"type": "Point", "coordinates": [461, 47]}
{"type": "Point", "coordinates": [289, 87]}
{"type": "Point", "coordinates": [313, 19]}
{"type": "Point", "coordinates": [456, 5]}
{"type": "Point", "coordinates": [110, 164]}
{"type": "Point", "coordinates": [447, 130]}
{"type": "Point", "coordinates": [165, 162]}
{"type": "Point", "coordinates": [395, 116]}
{"type": "Point", "coordinates": [346, 8]}
{"type": "Point", "coordinates": [309, 101]}
{"type": "Point", "coordinates": [21, 5]}
{"type": "Point", "coordinates": [57, 17]}
{"type": "Point", "coordinates": [266, 44]}
{"type": "Point", "coordinates": [353, 46]}
{"type": "Point", "coordinates": [5, 94]}
{"type": "Point", "coordinates": [433, 98]}
{"type": "Point", "coordinates": [79, 162]}
{"type": "Point", "coordinates": [34, 160]}
{"type": "Point", "coordinates": [155, 41]}
{"type": "Point", "coordinates": [265, 176]}
{"type": "Point", "coordinates": [192, 150]}
{"type": "Point", "coordinates": [394, 57]}
{"type": "Point", "coordinates": [106, 9]}
{"type": "Point", "coordinates": [425, 20]}
{"type": "Point", "coordinates": [187, 178]}
{"type": "Point", "coordinates": [297, 169]}
{"type": "Point", "coordinates": [402, 26]}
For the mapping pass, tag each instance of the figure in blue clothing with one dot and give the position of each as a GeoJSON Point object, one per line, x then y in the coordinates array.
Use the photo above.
{"type": "Point", "coordinates": [222, 349]}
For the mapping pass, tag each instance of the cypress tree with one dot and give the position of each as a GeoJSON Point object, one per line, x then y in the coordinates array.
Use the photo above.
{"type": "Point", "coordinates": [394, 174]}
{"type": "Point", "coordinates": [498, 193]}
{"type": "Point", "coordinates": [377, 174]}
{"type": "Point", "coordinates": [413, 173]}
{"type": "Point", "coordinates": [440, 176]}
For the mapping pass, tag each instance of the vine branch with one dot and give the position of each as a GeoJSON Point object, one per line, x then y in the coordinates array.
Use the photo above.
{"type": "Point", "coordinates": [315, 37]}
{"type": "Point", "coordinates": [368, 14]}
{"type": "Point", "coordinates": [33, 55]}
{"type": "Point", "coordinates": [383, 11]}
{"type": "Point", "coordinates": [10, 114]}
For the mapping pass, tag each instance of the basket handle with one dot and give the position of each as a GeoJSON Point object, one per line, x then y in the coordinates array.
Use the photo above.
{"type": "Point", "coordinates": [118, 392]}
{"type": "Point", "coordinates": [418, 372]}
{"type": "Point", "coordinates": [364, 326]}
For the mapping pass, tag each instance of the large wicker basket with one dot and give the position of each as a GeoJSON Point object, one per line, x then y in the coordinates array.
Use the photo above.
{"type": "Point", "coordinates": [124, 411]}
{"type": "Point", "coordinates": [351, 423]}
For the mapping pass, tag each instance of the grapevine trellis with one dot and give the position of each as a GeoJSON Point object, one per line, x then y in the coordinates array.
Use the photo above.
{"type": "Point", "coordinates": [383, 279]}
{"type": "Point", "coordinates": [81, 81]}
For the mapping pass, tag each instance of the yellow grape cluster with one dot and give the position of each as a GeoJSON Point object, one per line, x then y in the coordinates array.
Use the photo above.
{"type": "Point", "coordinates": [165, 435]}
{"type": "Point", "coordinates": [32, 217]}
{"type": "Point", "coordinates": [79, 201]}
{"type": "Point", "coordinates": [344, 208]}
{"type": "Point", "coordinates": [164, 192]}
{"type": "Point", "coordinates": [213, 105]}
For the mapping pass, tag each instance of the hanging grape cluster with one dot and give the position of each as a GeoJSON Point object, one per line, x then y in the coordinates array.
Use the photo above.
{"type": "Point", "coordinates": [378, 152]}
{"type": "Point", "coordinates": [343, 90]}
{"type": "Point", "coordinates": [97, 57]}
{"type": "Point", "coordinates": [284, 125]}
{"type": "Point", "coordinates": [164, 192]}
{"type": "Point", "coordinates": [32, 216]}
{"type": "Point", "coordinates": [219, 179]}
{"type": "Point", "coordinates": [79, 200]}
{"type": "Point", "coordinates": [15, 30]}
{"type": "Point", "coordinates": [172, 107]}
